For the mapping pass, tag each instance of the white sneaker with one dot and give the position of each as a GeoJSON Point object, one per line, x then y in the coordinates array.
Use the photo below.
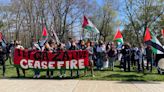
{"type": "Point", "coordinates": [93, 75]}
{"type": "Point", "coordinates": [60, 76]}
{"type": "Point", "coordinates": [34, 76]}
{"type": "Point", "coordinates": [51, 76]}
{"type": "Point", "coordinates": [101, 68]}
{"type": "Point", "coordinates": [64, 75]}
{"type": "Point", "coordinates": [47, 76]}
{"type": "Point", "coordinates": [38, 76]}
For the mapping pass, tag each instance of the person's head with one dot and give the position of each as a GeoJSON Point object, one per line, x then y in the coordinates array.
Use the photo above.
{"type": "Point", "coordinates": [148, 46]}
{"type": "Point", "coordinates": [108, 46]}
{"type": "Point", "coordinates": [88, 40]}
{"type": "Point", "coordinates": [34, 47]}
{"type": "Point", "coordinates": [70, 39]}
{"type": "Point", "coordinates": [51, 42]}
{"type": "Point", "coordinates": [92, 43]}
{"type": "Point", "coordinates": [113, 47]}
{"type": "Point", "coordinates": [127, 45]}
{"type": "Point", "coordinates": [88, 44]}
{"type": "Point", "coordinates": [82, 43]}
{"type": "Point", "coordinates": [47, 46]}
{"type": "Point", "coordinates": [79, 42]}
{"type": "Point", "coordinates": [73, 43]}
{"type": "Point", "coordinates": [100, 42]}
{"type": "Point", "coordinates": [19, 42]}
{"type": "Point", "coordinates": [16, 43]}
{"type": "Point", "coordinates": [55, 46]}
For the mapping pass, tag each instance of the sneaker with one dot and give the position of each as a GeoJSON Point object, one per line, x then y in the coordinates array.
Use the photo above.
{"type": "Point", "coordinates": [38, 76]}
{"type": "Point", "coordinates": [64, 75]}
{"type": "Point", "coordinates": [101, 68]}
{"type": "Point", "coordinates": [47, 76]}
{"type": "Point", "coordinates": [51, 76]}
{"type": "Point", "coordinates": [4, 77]}
{"type": "Point", "coordinates": [60, 76]}
{"type": "Point", "coordinates": [122, 69]}
{"type": "Point", "coordinates": [93, 75]}
{"type": "Point", "coordinates": [34, 76]}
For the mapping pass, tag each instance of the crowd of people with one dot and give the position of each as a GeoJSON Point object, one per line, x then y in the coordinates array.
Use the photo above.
{"type": "Point", "coordinates": [101, 56]}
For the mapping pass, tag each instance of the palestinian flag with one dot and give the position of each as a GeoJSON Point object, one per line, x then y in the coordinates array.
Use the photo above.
{"type": "Point", "coordinates": [44, 37]}
{"type": "Point", "coordinates": [151, 40]}
{"type": "Point", "coordinates": [118, 37]}
{"type": "Point", "coordinates": [88, 25]}
{"type": "Point", "coordinates": [44, 33]}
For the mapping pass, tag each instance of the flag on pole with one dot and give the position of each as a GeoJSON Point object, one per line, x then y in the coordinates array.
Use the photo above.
{"type": "Point", "coordinates": [118, 37]}
{"type": "Point", "coordinates": [44, 37]}
{"type": "Point", "coordinates": [89, 26]}
{"type": "Point", "coordinates": [55, 35]}
{"type": "Point", "coordinates": [150, 39]}
{"type": "Point", "coordinates": [44, 33]}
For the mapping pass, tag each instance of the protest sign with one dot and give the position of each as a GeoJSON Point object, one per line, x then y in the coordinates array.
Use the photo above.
{"type": "Point", "coordinates": [33, 59]}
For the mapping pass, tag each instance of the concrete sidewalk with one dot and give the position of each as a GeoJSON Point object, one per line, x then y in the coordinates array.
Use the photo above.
{"type": "Point", "coordinates": [30, 85]}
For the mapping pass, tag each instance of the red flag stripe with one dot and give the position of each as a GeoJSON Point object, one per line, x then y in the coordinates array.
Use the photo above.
{"type": "Point", "coordinates": [147, 36]}
{"type": "Point", "coordinates": [118, 35]}
{"type": "Point", "coordinates": [162, 32]}
{"type": "Point", "coordinates": [85, 21]}
{"type": "Point", "coordinates": [0, 36]}
{"type": "Point", "coordinates": [44, 33]}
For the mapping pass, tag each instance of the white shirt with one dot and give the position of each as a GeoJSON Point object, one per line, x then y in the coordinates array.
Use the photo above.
{"type": "Point", "coordinates": [100, 48]}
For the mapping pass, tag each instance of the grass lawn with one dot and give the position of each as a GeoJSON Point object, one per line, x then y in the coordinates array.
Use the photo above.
{"type": "Point", "coordinates": [117, 74]}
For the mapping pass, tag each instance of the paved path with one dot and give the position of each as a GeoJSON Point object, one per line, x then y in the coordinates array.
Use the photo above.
{"type": "Point", "coordinates": [29, 85]}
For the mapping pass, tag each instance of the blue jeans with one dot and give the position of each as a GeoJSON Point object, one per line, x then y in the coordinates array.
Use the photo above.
{"type": "Point", "coordinates": [111, 62]}
{"type": "Point", "coordinates": [36, 72]}
{"type": "Point", "coordinates": [77, 72]}
{"type": "Point", "coordinates": [62, 71]}
{"type": "Point", "coordinates": [99, 63]}
{"type": "Point", "coordinates": [149, 61]}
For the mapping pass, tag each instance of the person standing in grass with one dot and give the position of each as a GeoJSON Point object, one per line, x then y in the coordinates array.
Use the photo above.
{"type": "Point", "coordinates": [126, 52]}
{"type": "Point", "coordinates": [73, 47]}
{"type": "Point", "coordinates": [82, 46]}
{"type": "Point", "coordinates": [149, 57]}
{"type": "Point", "coordinates": [89, 48]}
{"type": "Point", "coordinates": [36, 71]}
{"type": "Point", "coordinates": [100, 55]}
{"type": "Point", "coordinates": [111, 56]}
{"type": "Point", "coordinates": [50, 48]}
{"type": "Point", "coordinates": [134, 57]}
{"type": "Point", "coordinates": [2, 58]}
{"type": "Point", "coordinates": [19, 46]}
{"type": "Point", "coordinates": [61, 47]}
{"type": "Point", "coordinates": [137, 57]}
